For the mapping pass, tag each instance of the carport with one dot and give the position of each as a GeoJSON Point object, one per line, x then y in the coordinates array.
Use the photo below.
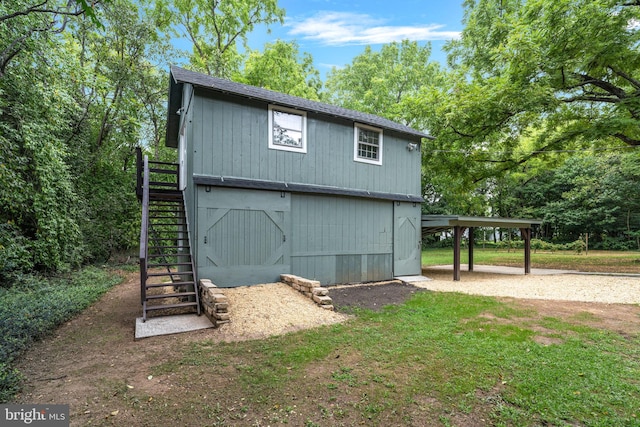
{"type": "Point", "coordinates": [432, 224]}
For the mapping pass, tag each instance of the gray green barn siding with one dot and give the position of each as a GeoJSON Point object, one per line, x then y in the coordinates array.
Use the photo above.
{"type": "Point", "coordinates": [341, 239]}
{"type": "Point", "coordinates": [332, 239]}
{"type": "Point", "coordinates": [231, 139]}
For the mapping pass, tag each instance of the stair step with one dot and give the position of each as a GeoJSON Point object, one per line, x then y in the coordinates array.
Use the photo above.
{"type": "Point", "coordinates": [165, 196]}
{"type": "Point", "coordinates": [166, 171]}
{"type": "Point", "coordinates": [162, 184]}
{"type": "Point", "coordinates": [168, 247]}
{"type": "Point", "coordinates": [174, 295]}
{"type": "Point", "coordinates": [173, 255]}
{"type": "Point", "coordinates": [167, 306]}
{"type": "Point", "coordinates": [176, 273]}
{"type": "Point", "coordinates": [167, 264]}
{"type": "Point", "coordinates": [160, 285]}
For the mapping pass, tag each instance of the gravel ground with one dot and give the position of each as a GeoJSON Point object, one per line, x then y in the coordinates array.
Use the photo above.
{"type": "Point", "coordinates": [271, 309]}
{"type": "Point", "coordinates": [274, 309]}
{"type": "Point", "coordinates": [564, 287]}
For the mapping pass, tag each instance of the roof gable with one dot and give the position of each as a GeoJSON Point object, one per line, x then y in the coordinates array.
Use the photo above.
{"type": "Point", "coordinates": [180, 76]}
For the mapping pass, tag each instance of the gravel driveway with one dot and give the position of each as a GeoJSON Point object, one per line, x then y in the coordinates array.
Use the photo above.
{"type": "Point", "coordinates": [565, 286]}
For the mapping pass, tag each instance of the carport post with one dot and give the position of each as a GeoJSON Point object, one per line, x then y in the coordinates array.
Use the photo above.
{"type": "Point", "coordinates": [471, 229]}
{"type": "Point", "coordinates": [457, 234]}
{"type": "Point", "coordinates": [526, 236]}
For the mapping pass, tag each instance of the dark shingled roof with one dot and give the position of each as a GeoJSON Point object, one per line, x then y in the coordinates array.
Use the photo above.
{"type": "Point", "coordinates": [180, 75]}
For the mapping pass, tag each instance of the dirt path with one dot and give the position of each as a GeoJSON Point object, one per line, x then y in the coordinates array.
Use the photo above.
{"type": "Point", "coordinates": [94, 354]}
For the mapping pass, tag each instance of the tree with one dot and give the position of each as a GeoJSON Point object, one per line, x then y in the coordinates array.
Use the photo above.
{"type": "Point", "coordinates": [74, 103]}
{"type": "Point", "coordinates": [579, 58]}
{"type": "Point", "coordinates": [27, 21]}
{"type": "Point", "coordinates": [38, 201]}
{"type": "Point", "coordinates": [214, 27]}
{"type": "Point", "coordinates": [390, 83]}
{"type": "Point", "coordinates": [598, 195]}
{"type": "Point", "coordinates": [558, 74]}
{"type": "Point", "coordinates": [122, 93]}
{"type": "Point", "coordinates": [280, 67]}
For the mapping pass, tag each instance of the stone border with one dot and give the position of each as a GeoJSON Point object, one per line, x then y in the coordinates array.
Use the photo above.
{"type": "Point", "coordinates": [309, 288]}
{"type": "Point", "coordinates": [214, 303]}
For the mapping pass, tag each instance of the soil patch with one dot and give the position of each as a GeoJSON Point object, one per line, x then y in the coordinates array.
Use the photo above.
{"type": "Point", "coordinates": [372, 296]}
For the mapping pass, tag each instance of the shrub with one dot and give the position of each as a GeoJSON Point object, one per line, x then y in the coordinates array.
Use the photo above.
{"type": "Point", "coordinates": [578, 246]}
{"type": "Point", "coordinates": [615, 244]}
{"type": "Point", "coordinates": [33, 307]}
{"type": "Point", "coordinates": [15, 256]}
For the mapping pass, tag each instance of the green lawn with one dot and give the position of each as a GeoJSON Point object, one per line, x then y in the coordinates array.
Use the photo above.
{"type": "Point", "coordinates": [600, 261]}
{"type": "Point", "coordinates": [440, 359]}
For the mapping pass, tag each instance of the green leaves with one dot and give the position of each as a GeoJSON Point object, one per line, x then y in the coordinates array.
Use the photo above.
{"type": "Point", "coordinates": [215, 27]}
{"type": "Point", "coordinates": [391, 83]}
{"type": "Point", "coordinates": [280, 67]}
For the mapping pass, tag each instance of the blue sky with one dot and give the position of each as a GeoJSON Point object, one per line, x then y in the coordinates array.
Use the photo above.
{"type": "Point", "coordinates": [335, 31]}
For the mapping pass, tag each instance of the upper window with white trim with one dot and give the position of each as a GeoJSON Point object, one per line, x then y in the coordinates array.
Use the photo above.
{"type": "Point", "coordinates": [287, 129]}
{"type": "Point", "coordinates": [367, 146]}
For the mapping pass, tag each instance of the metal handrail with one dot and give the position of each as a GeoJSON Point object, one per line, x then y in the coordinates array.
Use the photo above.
{"type": "Point", "coordinates": [144, 232]}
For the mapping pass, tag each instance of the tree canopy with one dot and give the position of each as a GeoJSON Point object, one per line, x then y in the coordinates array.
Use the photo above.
{"type": "Point", "coordinates": [390, 82]}
{"type": "Point", "coordinates": [282, 68]}
{"type": "Point", "coordinates": [214, 28]}
{"type": "Point", "coordinates": [531, 78]}
{"type": "Point", "coordinates": [537, 112]}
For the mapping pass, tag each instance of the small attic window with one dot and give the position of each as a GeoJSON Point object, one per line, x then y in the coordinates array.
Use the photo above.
{"type": "Point", "coordinates": [367, 144]}
{"type": "Point", "coordinates": [287, 129]}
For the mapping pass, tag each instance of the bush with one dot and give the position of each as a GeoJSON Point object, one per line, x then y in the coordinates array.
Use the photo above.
{"type": "Point", "coordinates": [10, 379]}
{"type": "Point", "coordinates": [615, 244]}
{"type": "Point", "coordinates": [537, 244]}
{"type": "Point", "coordinates": [33, 307]}
{"type": "Point", "coordinates": [15, 255]}
{"type": "Point", "coordinates": [578, 246]}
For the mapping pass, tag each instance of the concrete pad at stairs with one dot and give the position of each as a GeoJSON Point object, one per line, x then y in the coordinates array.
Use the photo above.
{"type": "Point", "coordinates": [167, 325]}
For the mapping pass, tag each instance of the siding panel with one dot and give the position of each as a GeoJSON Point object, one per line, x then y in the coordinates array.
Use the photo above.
{"type": "Point", "coordinates": [341, 240]}
{"type": "Point", "coordinates": [234, 141]}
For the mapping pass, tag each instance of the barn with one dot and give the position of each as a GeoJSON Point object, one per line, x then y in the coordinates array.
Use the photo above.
{"type": "Point", "coordinates": [266, 183]}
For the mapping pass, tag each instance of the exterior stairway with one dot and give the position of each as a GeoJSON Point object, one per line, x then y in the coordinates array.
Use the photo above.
{"type": "Point", "coordinates": [168, 282]}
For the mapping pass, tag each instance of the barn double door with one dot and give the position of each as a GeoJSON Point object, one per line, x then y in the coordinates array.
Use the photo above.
{"type": "Point", "coordinates": [243, 235]}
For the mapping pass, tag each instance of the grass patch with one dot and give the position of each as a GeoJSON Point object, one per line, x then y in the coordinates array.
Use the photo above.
{"type": "Point", "coordinates": [449, 358]}
{"type": "Point", "coordinates": [599, 261]}
{"type": "Point", "coordinates": [33, 307]}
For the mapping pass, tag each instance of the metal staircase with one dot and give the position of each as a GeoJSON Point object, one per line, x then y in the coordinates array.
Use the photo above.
{"type": "Point", "coordinates": [168, 283]}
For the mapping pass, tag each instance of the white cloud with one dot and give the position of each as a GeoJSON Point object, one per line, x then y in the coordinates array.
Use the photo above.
{"type": "Point", "coordinates": [345, 28]}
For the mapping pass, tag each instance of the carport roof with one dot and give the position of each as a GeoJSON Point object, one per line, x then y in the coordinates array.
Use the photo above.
{"type": "Point", "coordinates": [436, 223]}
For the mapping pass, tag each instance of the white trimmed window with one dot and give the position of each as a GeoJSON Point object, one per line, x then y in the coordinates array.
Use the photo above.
{"type": "Point", "coordinates": [287, 129]}
{"type": "Point", "coordinates": [367, 146]}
